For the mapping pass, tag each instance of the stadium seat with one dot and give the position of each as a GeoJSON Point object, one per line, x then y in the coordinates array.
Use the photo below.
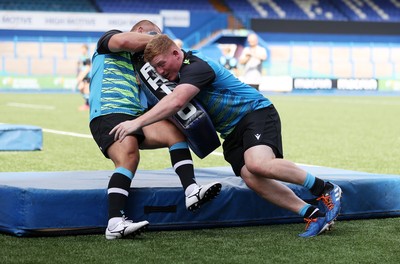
{"type": "Point", "coordinates": [342, 69]}
{"type": "Point", "coordinates": [384, 70]}
{"type": "Point", "coordinates": [52, 49]}
{"type": "Point", "coordinates": [363, 69]}
{"type": "Point", "coordinates": [321, 69]}
{"type": "Point", "coordinates": [7, 48]}
{"type": "Point", "coordinates": [286, 9]}
{"type": "Point", "coordinates": [153, 7]}
{"type": "Point", "coordinates": [16, 66]}
{"type": "Point", "coordinates": [49, 5]}
{"type": "Point", "coordinates": [42, 66]}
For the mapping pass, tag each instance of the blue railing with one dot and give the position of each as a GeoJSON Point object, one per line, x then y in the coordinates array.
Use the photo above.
{"type": "Point", "coordinates": [218, 23]}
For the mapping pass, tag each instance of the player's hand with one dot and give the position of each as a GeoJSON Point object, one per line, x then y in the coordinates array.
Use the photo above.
{"type": "Point", "coordinates": [123, 129]}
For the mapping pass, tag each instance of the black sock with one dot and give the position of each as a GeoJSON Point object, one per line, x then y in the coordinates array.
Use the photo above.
{"type": "Point", "coordinates": [328, 187]}
{"type": "Point", "coordinates": [182, 162]}
{"type": "Point", "coordinates": [318, 188]}
{"type": "Point", "coordinates": [313, 212]}
{"type": "Point", "coordinates": [118, 191]}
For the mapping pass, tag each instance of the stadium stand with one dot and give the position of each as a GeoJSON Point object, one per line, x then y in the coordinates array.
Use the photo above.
{"type": "Point", "coordinates": [334, 60]}
{"type": "Point", "coordinates": [341, 10]}
{"type": "Point", "coordinates": [357, 58]}
{"type": "Point", "coordinates": [152, 7]}
{"type": "Point", "coordinates": [367, 10]}
{"type": "Point", "coordinates": [48, 5]}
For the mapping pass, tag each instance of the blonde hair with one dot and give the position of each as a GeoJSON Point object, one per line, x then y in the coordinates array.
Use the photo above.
{"type": "Point", "coordinates": [159, 44]}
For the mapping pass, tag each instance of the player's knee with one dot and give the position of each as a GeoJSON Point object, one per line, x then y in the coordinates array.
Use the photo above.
{"type": "Point", "coordinates": [264, 169]}
{"type": "Point", "coordinates": [251, 181]}
{"type": "Point", "coordinates": [129, 161]}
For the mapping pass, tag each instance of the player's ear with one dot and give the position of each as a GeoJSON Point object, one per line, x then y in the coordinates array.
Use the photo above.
{"type": "Point", "coordinates": [175, 52]}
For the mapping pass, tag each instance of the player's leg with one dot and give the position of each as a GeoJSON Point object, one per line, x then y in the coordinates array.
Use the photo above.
{"type": "Point", "coordinates": [83, 87]}
{"type": "Point", "coordinates": [86, 91]}
{"type": "Point", "coordinates": [263, 157]}
{"type": "Point", "coordinates": [284, 170]}
{"type": "Point", "coordinates": [166, 134]}
{"type": "Point", "coordinates": [281, 195]}
{"type": "Point", "coordinates": [259, 162]}
{"type": "Point", "coordinates": [125, 156]}
{"type": "Point", "coordinates": [258, 135]}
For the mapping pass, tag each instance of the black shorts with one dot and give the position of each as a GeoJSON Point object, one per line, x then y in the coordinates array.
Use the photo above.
{"type": "Point", "coordinates": [261, 127]}
{"type": "Point", "coordinates": [102, 125]}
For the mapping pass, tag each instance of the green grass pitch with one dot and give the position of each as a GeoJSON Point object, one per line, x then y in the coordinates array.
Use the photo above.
{"type": "Point", "coordinates": [351, 132]}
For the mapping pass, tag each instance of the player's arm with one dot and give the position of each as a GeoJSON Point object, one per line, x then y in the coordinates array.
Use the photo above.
{"type": "Point", "coordinates": [116, 41]}
{"type": "Point", "coordinates": [128, 41]}
{"type": "Point", "coordinates": [166, 107]}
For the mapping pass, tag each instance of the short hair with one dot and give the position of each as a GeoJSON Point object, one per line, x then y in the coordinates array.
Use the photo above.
{"type": "Point", "coordinates": [159, 44]}
{"type": "Point", "coordinates": [144, 22]}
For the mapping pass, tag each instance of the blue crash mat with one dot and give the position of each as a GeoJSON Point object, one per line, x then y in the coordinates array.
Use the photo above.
{"type": "Point", "coordinates": [20, 137]}
{"type": "Point", "coordinates": [75, 202]}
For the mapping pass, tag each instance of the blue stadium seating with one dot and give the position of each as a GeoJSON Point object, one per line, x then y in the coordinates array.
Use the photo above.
{"type": "Point", "coordinates": [48, 5]}
{"type": "Point", "coordinates": [342, 10]}
{"type": "Point", "coordinates": [337, 10]}
{"type": "Point", "coordinates": [206, 21]}
{"type": "Point", "coordinates": [383, 10]}
{"type": "Point", "coordinates": [152, 7]}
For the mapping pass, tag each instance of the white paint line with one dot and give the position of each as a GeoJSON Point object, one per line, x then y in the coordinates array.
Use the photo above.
{"type": "Point", "coordinates": [66, 133]}
{"type": "Point", "coordinates": [46, 107]}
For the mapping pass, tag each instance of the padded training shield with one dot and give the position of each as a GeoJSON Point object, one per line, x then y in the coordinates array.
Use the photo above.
{"type": "Point", "coordinates": [192, 120]}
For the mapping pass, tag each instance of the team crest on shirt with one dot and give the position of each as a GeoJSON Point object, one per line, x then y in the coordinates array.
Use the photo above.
{"type": "Point", "coordinates": [186, 61]}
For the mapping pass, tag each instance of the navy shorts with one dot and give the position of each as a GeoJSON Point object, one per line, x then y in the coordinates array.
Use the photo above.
{"type": "Point", "coordinates": [261, 127]}
{"type": "Point", "coordinates": [102, 125]}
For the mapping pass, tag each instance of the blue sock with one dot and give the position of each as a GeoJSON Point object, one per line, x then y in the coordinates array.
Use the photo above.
{"type": "Point", "coordinates": [309, 182]}
{"type": "Point", "coordinates": [303, 210]}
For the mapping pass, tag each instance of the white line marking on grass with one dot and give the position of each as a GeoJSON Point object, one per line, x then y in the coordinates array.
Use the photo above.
{"type": "Point", "coordinates": [72, 134]}
{"type": "Point", "coordinates": [47, 107]}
